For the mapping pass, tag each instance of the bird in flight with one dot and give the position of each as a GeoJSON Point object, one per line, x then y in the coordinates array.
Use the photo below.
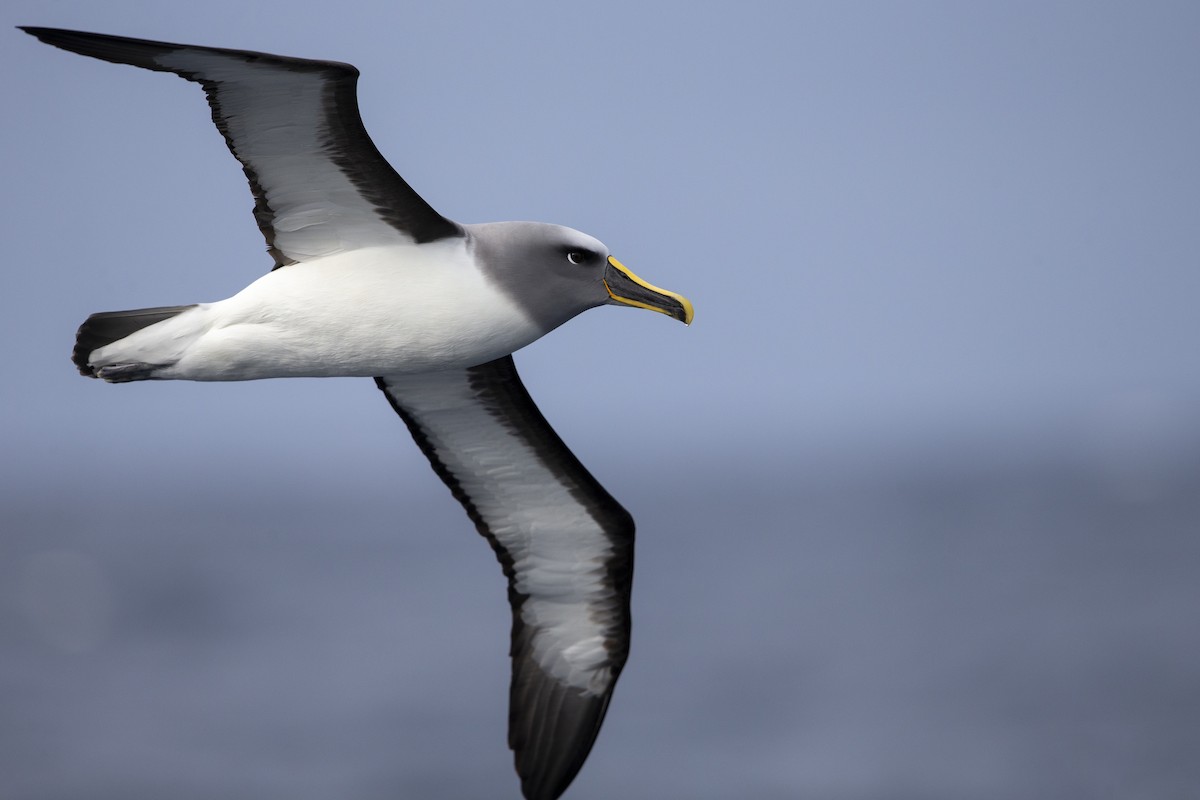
{"type": "Point", "coordinates": [371, 281]}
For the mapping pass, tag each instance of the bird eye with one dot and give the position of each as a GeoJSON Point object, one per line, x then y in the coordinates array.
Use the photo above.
{"type": "Point", "coordinates": [577, 256]}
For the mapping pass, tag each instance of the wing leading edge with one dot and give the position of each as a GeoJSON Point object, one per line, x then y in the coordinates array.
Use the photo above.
{"type": "Point", "coordinates": [565, 545]}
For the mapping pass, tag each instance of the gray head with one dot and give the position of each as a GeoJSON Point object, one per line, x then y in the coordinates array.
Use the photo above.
{"type": "Point", "coordinates": [555, 272]}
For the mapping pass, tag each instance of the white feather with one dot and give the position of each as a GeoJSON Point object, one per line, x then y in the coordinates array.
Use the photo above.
{"type": "Point", "coordinates": [367, 312]}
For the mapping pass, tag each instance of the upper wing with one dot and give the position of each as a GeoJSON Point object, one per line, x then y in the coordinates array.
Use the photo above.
{"type": "Point", "coordinates": [564, 543]}
{"type": "Point", "coordinates": [320, 186]}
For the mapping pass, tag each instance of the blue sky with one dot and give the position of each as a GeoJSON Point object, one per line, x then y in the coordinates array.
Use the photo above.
{"type": "Point", "coordinates": [890, 217]}
{"type": "Point", "coordinates": [915, 234]}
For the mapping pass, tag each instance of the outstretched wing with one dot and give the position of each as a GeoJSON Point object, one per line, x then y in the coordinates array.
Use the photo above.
{"type": "Point", "coordinates": [564, 543]}
{"type": "Point", "coordinates": [320, 186]}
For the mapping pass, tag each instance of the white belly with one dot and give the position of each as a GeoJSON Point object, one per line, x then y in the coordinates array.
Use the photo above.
{"type": "Point", "coordinates": [368, 312]}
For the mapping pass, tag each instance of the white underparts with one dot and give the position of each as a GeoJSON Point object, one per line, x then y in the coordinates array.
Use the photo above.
{"type": "Point", "coordinates": [374, 311]}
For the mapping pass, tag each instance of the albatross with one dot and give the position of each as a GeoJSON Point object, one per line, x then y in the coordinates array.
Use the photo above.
{"type": "Point", "coordinates": [370, 281]}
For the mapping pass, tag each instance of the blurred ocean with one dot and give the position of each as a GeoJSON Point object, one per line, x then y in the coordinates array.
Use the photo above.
{"type": "Point", "coordinates": [948, 622]}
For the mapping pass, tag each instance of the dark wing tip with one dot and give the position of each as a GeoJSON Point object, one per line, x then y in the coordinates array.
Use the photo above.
{"type": "Point", "coordinates": [117, 49]}
{"type": "Point", "coordinates": [143, 52]}
{"type": "Point", "coordinates": [552, 738]}
{"type": "Point", "coordinates": [551, 725]}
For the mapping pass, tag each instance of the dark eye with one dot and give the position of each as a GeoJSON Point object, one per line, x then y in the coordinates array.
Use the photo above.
{"type": "Point", "coordinates": [578, 256]}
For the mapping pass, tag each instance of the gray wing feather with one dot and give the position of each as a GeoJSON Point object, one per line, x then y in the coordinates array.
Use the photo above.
{"type": "Point", "coordinates": [565, 545]}
{"type": "Point", "coordinates": [320, 186]}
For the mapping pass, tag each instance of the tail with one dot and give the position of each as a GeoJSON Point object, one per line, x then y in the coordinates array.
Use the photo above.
{"type": "Point", "coordinates": [107, 327]}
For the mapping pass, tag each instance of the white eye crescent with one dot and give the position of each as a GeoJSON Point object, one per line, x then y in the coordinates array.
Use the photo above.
{"type": "Point", "coordinates": [577, 256]}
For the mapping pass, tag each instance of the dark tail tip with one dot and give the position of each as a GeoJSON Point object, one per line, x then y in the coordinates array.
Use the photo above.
{"type": "Point", "coordinates": [107, 327]}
